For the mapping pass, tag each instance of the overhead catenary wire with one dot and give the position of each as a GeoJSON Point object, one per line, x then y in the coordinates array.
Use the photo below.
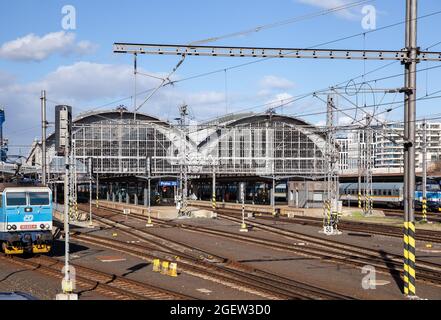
{"type": "Point", "coordinates": [163, 82]}
{"type": "Point", "coordinates": [324, 90]}
{"type": "Point", "coordinates": [283, 22]}
{"type": "Point", "coordinates": [152, 91]}
{"type": "Point", "coordinates": [310, 47]}
{"type": "Point", "coordinates": [264, 59]}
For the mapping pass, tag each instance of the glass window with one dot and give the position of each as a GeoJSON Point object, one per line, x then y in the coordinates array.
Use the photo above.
{"type": "Point", "coordinates": [16, 198]}
{"type": "Point", "coordinates": [38, 198]}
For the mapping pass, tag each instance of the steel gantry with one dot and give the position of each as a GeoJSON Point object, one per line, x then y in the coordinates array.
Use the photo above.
{"type": "Point", "coordinates": [331, 211]}
{"type": "Point", "coordinates": [258, 52]}
{"type": "Point", "coordinates": [409, 56]}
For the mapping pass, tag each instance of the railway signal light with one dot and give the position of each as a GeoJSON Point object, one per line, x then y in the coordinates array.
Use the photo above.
{"type": "Point", "coordinates": [63, 127]}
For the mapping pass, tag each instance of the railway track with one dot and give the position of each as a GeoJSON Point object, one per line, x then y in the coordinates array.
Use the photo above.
{"type": "Point", "coordinates": [372, 228]}
{"type": "Point", "coordinates": [213, 268]}
{"type": "Point", "coordinates": [431, 216]}
{"type": "Point", "coordinates": [109, 285]}
{"type": "Point", "coordinates": [317, 247]}
{"type": "Point", "coordinates": [427, 272]}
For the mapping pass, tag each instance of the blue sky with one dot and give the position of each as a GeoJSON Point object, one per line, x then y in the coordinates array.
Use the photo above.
{"type": "Point", "coordinates": [78, 67]}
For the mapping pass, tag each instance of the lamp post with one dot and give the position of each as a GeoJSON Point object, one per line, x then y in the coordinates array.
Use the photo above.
{"type": "Point", "coordinates": [149, 221]}
{"type": "Point", "coordinates": [90, 193]}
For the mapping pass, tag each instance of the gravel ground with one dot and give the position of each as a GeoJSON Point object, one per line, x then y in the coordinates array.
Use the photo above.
{"type": "Point", "coordinates": [15, 278]}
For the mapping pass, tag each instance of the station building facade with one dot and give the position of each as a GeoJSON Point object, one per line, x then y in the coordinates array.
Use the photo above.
{"type": "Point", "coordinates": [243, 148]}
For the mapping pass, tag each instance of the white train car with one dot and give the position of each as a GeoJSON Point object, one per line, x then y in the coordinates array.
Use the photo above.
{"type": "Point", "coordinates": [387, 193]}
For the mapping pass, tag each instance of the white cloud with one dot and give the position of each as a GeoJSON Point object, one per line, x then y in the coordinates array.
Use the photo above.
{"type": "Point", "coordinates": [279, 99]}
{"type": "Point", "coordinates": [35, 48]}
{"type": "Point", "coordinates": [345, 120]}
{"type": "Point", "coordinates": [206, 98]}
{"type": "Point", "coordinates": [349, 13]}
{"type": "Point", "coordinates": [283, 97]}
{"type": "Point", "coordinates": [86, 85]}
{"type": "Point", "coordinates": [271, 82]}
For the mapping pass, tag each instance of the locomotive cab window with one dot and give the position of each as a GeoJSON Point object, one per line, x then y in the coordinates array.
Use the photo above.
{"type": "Point", "coordinates": [16, 198]}
{"type": "Point", "coordinates": [38, 198]}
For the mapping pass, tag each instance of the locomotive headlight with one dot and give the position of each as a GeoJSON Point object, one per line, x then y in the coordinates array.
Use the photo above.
{"type": "Point", "coordinates": [9, 227]}
{"type": "Point", "coordinates": [47, 226]}
{"type": "Point", "coordinates": [14, 227]}
{"type": "Point", "coordinates": [41, 226]}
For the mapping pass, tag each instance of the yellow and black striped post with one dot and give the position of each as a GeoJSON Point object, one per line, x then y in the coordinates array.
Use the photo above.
{"type": "Point", "coordinates": [213, 201]}
{"type": "Point", "coordinates": [359, 200]}
{"type": "Point", "coordinates": [325, 214]}
{"type": "Point", "coordinates": [366, 204]}
{"type": "Point", "coordinates": [425, 209]}
{"type": "Point", "coordinates": [370, 204]}
{"type": "Point", "coordinates": [97, 191]}
{"type": "Point", "coordinates": [213, 185]}
{"type": "Point", "coordinates": [327, 209]}
{"type": "Point", "coordinates": [411, 256]}
{"type": "Point", "coordinates": [406, 258]}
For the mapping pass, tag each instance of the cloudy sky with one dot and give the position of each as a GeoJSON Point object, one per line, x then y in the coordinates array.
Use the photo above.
{"type": "Point", "coordinates": [77, 67]}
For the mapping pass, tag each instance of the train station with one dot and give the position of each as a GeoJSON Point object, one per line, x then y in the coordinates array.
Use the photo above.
{"type": "Point", "coordinates": [255, 150]}
{"type": "Point", "coordinates": [147, 157]}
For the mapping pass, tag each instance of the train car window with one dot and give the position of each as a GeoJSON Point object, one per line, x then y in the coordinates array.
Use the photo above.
{"type": "Point", "coordinates": [16, 198]}
{"type": "Point", "coordinates": [38, 198]}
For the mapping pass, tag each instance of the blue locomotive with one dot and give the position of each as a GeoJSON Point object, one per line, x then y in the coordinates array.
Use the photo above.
{"type": "Point", "coordinates": [26, 219]}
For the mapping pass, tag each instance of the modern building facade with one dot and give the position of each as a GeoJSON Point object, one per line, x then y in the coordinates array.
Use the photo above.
{"type": "Point", "coordinates": [388, 152]}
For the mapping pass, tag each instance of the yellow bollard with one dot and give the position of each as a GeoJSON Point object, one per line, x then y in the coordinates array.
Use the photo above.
{"type": "Point", "coordinates": [243, 228]}
{"type": "Point", "coordinates": [156, 265]}
{"type": "Point", "coordinates": [173, 270]}
{"type": "Point", "coordinates": [164, 267]}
